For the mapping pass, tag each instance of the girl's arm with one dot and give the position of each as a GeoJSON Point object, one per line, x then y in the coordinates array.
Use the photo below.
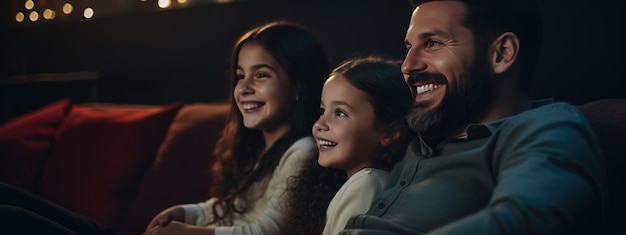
{"type": "Point", "coordinates": [273, 218]}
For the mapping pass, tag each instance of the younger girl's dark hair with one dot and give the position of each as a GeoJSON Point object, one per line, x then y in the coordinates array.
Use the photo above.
{"type": "Point", "coordinates": [383, 82]}
{"type": "Point", "coordinates": [237, 150]}
{"type": "Point", "coordinates": [312, 190]}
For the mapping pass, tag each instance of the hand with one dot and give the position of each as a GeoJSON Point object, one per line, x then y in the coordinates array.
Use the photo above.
{"type": "Point", "coordinates": [177, 228]}
{"type": "Point", "coordinates": [174, 213]}
{"type": "Point", "coordinates": [171, 228]}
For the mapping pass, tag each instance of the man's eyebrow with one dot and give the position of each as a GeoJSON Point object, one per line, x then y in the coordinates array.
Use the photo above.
{"type": "Point", "coordinates": [432, 33]}
{"type": "Point", "coordinates": [429, 34]}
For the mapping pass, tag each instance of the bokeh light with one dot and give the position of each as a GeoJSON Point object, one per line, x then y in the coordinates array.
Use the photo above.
{"type": "Point", "coordinates": [33, 16]}
{"type": "Point", "coordinates": [67, 8]}
{"type": "Point", "coordinates": [164, 3]}
{"type": "Point", "coordinates": [29, 4]}
{"type": "Point", "coordinates": [88, 13]}
{"type": "Point", "coordinates": [49, 14]}
{"type": "Point", "coordinates": [19, 17]}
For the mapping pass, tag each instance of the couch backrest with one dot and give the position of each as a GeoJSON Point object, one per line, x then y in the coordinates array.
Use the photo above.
{"type": "Point", "coordinates": [607, 118]}
{"type": "Point", "coordinates": [181, 170]}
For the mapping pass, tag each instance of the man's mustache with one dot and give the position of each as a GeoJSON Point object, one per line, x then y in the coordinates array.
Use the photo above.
{"type": "Point", "coordinates": [427, 77]}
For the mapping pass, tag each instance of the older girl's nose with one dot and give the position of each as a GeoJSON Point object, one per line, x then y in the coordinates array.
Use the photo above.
{"type": "Point", "coordinates": [243, 88]}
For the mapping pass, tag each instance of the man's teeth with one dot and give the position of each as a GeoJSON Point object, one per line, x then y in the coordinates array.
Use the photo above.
{"type": "Point", "coordinates": [250, 106]}
{"type": "Point", "coordinates": [326, 143]}
{"type": "Point", "coordinates": [427, 87]}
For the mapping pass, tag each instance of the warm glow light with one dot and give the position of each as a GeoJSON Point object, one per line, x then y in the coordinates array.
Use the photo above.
{"type": "Point", "coordinates": [182, 1]}
{"type": "Point", "coordinates": [33, 16]}
{"type": "Point", "coordinates": [224, 1]}
{"type": "Point", "coordinates": [49, 14]}
{"type": "Point", "coordinates": [88, 13]}
{"type": "Point", "coordinates": [164, 3]}
{"type": "Point", "coordinates": [67, 8]}
{"type": "Point", "coordinates": [19, 17]}
{"type": "Point", "coordinates": [29, 4]}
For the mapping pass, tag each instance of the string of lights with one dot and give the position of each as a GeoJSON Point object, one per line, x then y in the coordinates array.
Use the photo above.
{"type": "Point", "coordinates": [33, 11]}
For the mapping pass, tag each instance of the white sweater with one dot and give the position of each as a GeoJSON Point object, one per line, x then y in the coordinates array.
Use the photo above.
{"type": "Point", "coordinates": [354, 197]}
{"type": "Point", "coordinates": [266, 213]}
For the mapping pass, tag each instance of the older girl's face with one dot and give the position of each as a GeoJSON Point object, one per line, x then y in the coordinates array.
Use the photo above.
{"type": "Point", "coordinates": [346, 133]}
{"type": "Point", "coordinates": [263, 93]}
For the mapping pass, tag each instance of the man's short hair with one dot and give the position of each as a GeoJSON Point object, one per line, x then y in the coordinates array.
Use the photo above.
{"type": "Point", "coordinates": [488, 19]}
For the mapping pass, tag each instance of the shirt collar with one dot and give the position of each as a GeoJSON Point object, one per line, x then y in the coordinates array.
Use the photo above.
{"type": "Point", "coordinates": [474, 131]}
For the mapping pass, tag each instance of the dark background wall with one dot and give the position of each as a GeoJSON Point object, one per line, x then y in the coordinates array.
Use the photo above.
{"type": "Point", "coordinates": [182, 54]}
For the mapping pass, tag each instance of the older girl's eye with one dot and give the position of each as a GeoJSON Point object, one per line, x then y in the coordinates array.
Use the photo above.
{"type": "Point", "coordinates": [239, 76]}
{"type": "Point", "coordinates": [262, 75]}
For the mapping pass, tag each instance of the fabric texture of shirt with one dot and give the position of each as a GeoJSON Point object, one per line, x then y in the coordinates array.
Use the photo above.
{"type": "Point", "coordinates": [538, 172]}
{"type": "Point", "coordinates": [353, 198]}
{"type": "Point", "coordinates": [265, 213]}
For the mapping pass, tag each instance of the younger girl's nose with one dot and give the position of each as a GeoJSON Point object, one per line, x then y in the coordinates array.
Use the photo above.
{"type": "Point", "coordinates": [319, 125]}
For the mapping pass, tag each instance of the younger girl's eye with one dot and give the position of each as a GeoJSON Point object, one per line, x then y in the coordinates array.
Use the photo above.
{"type": "Point", "coordinates": [321, 111]}
{"type": "Point", "coordinates": [340, 113]}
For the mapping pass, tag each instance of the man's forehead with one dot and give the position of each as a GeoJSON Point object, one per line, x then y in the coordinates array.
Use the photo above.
{"type": "Point", "coordinates": [441, 9]}
{"type": "Point", "coordinates": [438, 13]}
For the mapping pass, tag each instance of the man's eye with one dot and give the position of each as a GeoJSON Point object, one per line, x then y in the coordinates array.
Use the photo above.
{"type": "Point", "coordinates": [433, 43]}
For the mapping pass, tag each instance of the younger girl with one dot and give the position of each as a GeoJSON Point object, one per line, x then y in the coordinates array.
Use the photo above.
{"type": "Point", "coordinates": [277, 74]}
{"type": "Point", "coordinates": [361, 130]}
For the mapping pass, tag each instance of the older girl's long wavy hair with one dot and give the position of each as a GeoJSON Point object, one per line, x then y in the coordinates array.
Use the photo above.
{"type": "Point", "coordinates": [237, 162]}
{"type": "Point", "coordinates": [312, 190]}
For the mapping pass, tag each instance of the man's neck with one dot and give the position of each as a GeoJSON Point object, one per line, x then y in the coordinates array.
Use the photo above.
{"type": "Point", "coordinates": [507, 108]}
{"type": "Point", "coordinates": [500, 108]}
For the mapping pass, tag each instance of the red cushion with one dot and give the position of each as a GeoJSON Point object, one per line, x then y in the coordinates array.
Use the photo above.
{"type": "Point", "coordinates": [100, 157]}
{"type": "Point", "coordinates": [182, 164]}
{"type": "Point", "coordinates": [25, 142]}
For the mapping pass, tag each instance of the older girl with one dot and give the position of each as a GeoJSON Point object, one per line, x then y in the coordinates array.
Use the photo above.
{"type": "Point", "coordinates": [278, 70]}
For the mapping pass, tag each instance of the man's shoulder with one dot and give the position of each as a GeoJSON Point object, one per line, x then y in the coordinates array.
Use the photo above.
{"type": "Point", "coordinates": [551, 109]}
{"type": "Point", "coordinates": [542, 114]}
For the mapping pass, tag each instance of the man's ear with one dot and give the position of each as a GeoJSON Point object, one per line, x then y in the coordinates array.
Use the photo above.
{"type": "Point", "coordinates": [505, 50]}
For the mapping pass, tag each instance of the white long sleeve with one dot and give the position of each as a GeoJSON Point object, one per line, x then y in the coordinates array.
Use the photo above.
{"type": "Point", "coordinates": [354, 197]}
{"type": "Point", "coordinates": [266, 213]}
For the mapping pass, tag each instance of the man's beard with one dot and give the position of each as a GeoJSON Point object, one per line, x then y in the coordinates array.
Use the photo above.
{"type": "Point", "coordinates": [465, 101]}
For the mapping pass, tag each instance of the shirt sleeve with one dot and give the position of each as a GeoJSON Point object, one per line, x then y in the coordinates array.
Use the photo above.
{"type": "Point", "coordinates": [354, 198]}
{"type": "Point", "coordinates": [273, 218]}
{"type": "Point", "coordinates": [199, 213]}
{"type": "Point", "coordinates": [549, 173]}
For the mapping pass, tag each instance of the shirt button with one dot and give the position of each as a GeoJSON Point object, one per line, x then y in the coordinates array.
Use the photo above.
{"type": "Point", "coordinates": [381, 205]}
{"type": "Point", "coordinates": [402, 183]}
